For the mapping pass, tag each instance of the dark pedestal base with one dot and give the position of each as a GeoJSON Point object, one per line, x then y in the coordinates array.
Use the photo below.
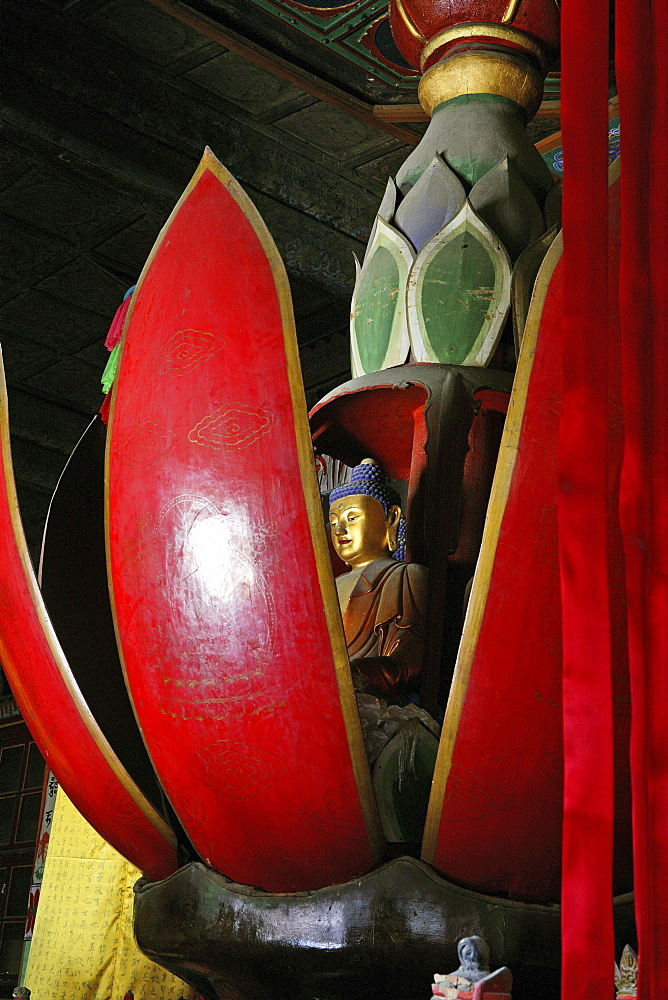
{"type": "Point", "coordinates": [383, 935]}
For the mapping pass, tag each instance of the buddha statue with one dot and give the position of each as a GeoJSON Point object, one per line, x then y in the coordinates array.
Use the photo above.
{"type": "Point", "coordinates": [382, 597]}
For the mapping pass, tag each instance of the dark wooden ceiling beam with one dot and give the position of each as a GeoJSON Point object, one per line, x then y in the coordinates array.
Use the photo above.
{"type": "Point", "coordinates": [283, 69]}
{"type": "Point", "coordinates": [414, 113]}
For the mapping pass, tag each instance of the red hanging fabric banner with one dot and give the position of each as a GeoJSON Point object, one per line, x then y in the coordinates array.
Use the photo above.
{"type": "Point", "coordinates": [641, 60]}
{"type": "Point", "coordinates": [587, 854]}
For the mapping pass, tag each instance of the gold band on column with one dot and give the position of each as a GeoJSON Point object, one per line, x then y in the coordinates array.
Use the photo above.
{"type": "Point", "coordinates": [483, 29]}
{"type": "Point", "coordinates": [482, 73]}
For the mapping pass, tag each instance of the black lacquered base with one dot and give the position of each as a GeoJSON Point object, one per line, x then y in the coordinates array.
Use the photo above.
{"type": "Point", "coordinates": [381, 936]}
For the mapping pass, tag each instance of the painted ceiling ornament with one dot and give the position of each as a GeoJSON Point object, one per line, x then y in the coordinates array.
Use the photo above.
{"type": "Point", "coordinates": [378, 39]}
{"type": "Point", "coordinates": [357, 32]}
{"type": "Point", "coordinates": [323, 5]}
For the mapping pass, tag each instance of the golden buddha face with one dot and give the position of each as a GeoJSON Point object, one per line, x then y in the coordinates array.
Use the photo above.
{"type": "Point", "coordinates": [360, 530]}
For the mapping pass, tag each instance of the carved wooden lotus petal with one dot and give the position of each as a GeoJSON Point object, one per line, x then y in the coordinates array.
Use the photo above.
{"type": "Point", "coordinates": [229, 625]}
{"type": "Point", "coordinates": [479, 790]}
{"type": "Point", "coordinates": [51, 702]}
{"type": "Point", "coordinates": [552, 207]}
{"type": "Point", "coordinates": [227, 620]}
{"type": "Point", "coordinates": [459, 293]}
{"type": "Point", "coordinates": [385, 212]}
{"type": "Point", "coordinates": [378, 329]}
{"type": "Point", "coordinates": [432, 202]}
{"type": "Point", "coordinates": [510, 656]}
{"type": "Point", "coordinates": [504, 202]}
{"type": "Point", "coordinates": [524, 279]}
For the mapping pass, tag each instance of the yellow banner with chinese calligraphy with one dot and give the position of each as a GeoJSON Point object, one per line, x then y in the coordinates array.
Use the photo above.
{"type": "Point", "coordinates": [83, 946]}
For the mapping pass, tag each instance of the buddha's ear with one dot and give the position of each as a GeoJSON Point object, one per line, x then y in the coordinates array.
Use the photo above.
{"type": "Point", "coordinates": [394, 515]}
{"type": "Point", "coordinates": [392, 521]}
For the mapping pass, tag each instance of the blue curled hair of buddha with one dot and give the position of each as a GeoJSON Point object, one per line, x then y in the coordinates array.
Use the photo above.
{"type": "Point", "coordinates": [368, 479]}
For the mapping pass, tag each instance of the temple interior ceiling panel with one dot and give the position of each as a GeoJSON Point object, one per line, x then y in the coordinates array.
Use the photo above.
{"type": "Point", "coordinates": [350, 41]}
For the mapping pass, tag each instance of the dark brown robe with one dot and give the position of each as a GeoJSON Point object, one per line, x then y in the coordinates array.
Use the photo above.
{"type": "Point", "coordinates": [384, 626]}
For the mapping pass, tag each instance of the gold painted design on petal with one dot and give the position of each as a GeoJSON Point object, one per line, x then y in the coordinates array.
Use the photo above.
{"type": "Point", "coordinates": [238, 770]}
{"type": "Point", "coordinates": [234, 425]}
{"type": "Point", "coordinates": [146, 444]}
{"type": "Point", "coordinates": [191, 811]}
{"type": "Point", "coordinates": [186, 350]}
{"type": "Point", "coordinates": [122, 807]}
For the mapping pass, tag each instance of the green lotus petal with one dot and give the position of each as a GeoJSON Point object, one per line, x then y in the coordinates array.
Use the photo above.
{"type": "Point", "coordinates": [459, 293]}
{"type": "Point", "coordinates": [378, 328]}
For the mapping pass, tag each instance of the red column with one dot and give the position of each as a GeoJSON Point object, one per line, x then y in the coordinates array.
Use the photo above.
{"type": "Point", "coordinates": [587, 927]}
{"type": "Point", "coordinates": [641, 57]}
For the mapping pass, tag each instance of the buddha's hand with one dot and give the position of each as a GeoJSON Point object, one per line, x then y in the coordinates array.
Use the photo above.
{"type": "Point", "coordinates": [360, 680]}
{"type": "Point", "coordinates": [382, 676]}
